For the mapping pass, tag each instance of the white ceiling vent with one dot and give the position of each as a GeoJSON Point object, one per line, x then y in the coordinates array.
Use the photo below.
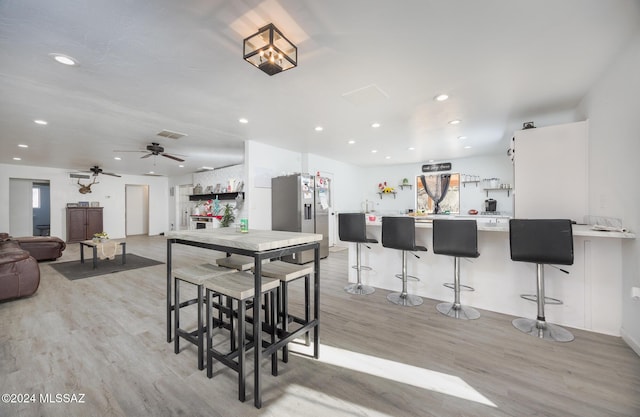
{"type": "Point", "coordinates": [79, 176]}
{"type": "Point", "coordinates": [365, 95]}
{"type": "Point", "coordinates": [171, 134]}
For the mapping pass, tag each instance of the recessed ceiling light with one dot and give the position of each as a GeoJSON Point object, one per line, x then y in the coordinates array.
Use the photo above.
{"type": "Point", "coordinates": [41, 122]}
{"type": "Point", "coordinates": [462, 137]}
{"type": "Point", "coordinates": [243, 120]}
{"type": "Point", "coordinates": [207, 168]}
{"type": "Point", "coordinates": [431, 160]}
{"type": "Point", "coordinates": [351, 142]}
{"type": "Point", "coordinates": [454, 122]}
{"type": "Point", "coordinates": [374, 150]}
{"type": "Point", "coordinates": [180, 166]}
{"type": "Point", "coordinates": [64, 59]}
{"type": "Point", "coordinates": [319, 128]}
{"type": "Point", "coordinates": [17, 159]}
{"type": "Point", "coordinates": [441, 97]}
{"type": "Point", "coordinates": [117, 158]}
{"type": "Point", "coordinates": [467, 147]}
{"type": "Point", "coordinates": [151, 172]}
{"type": "Point", "coordinates": [411, 148]}
{"type": "Point", "coordinates": [23, 146]}
{"type": "Point", "coordinates": [375, 125]}
{"type": "Point", "coordinates": [387, 157]}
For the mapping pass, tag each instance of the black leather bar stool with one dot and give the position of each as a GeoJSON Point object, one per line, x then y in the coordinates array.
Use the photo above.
{"type": "Point", "coordinates": [352, 228]}
{"type": "Point", "coordinates": [541, 241]}
{"type": "Point", "coordinates": [400, 233]}
{"type": "Point", "coordinates": [457, 238]}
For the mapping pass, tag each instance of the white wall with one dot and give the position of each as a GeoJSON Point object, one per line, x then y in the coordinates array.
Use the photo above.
{"type": "Point", "coordinates": [472, 196]}
{"type": "Point", "coordinates": [614, 146]}
{"type": "Point", "coordinates": [21, 207]}
{"type": "Point", "coordinates": [109, 192]}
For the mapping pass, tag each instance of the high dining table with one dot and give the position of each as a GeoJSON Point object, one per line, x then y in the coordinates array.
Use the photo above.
{"type": "Point", "coordinates": [260, 244]}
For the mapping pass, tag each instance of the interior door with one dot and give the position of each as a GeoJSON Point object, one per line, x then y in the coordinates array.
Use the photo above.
{"type": "Point", "coordinates": [137, 210]}
{"type": "Point", "coordinates": [20, 207]}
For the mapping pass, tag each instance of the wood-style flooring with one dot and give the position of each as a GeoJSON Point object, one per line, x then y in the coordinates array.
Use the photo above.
{"type": "Point", "coordinates": [104, 338]}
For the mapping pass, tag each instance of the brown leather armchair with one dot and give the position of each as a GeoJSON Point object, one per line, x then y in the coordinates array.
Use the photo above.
{"type": "Point", "coordinates": [19, 271]}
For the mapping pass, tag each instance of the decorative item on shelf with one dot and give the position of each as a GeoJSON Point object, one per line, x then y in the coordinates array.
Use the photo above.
{"type": "Point", "coordinates": [100, 237]}
{"type": "Point", "coordinates": [227, 217]}
{"type": "Point", "coordinates": [83, 204]}
{"type": "Point", "coordinates": [209, 189]}
{"type": "Point", "coordinates": [217, 189]}
{"type": "Point", "coordinates": [95, 204]}
{"type": "Point", "coordinates": [269, 50]}
{"type": "Point", "coordinates": [385, 189]}
{"type": "Point", "coordinates": [405, 183]}
{"type": "Point", "coordinates": [197, 189]}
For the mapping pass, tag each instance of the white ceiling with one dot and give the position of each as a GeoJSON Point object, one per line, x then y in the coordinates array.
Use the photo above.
{"type": "Point", "coordinates": [145, 66]}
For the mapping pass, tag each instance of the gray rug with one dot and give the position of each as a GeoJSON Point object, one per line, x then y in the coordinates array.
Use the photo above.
{"type": "Point", "coordinates": [75, 270]}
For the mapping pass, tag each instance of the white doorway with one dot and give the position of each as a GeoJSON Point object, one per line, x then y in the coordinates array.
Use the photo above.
{"type": "Point", "coordinates": [136, 210]}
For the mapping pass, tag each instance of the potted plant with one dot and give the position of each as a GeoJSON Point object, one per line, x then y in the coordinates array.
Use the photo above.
{"type": "Point", "coordinates": [227, 216]}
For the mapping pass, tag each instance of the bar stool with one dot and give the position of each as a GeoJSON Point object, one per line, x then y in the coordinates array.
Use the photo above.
{"type": "Point", "coordinates": [286, 272]}
{"type": "Point", "coordinates": [195, 275]}
{"type": "Point", "coordinates": [457, 238]}
{"type": "Point", "coordinates": [400, 233]}
{"type": "Point", "coordinates": [352, 228]}
{"type": "Point", "coordinates": [235, 261]}
{"type": "Point", "coordinates": [541, 241]}
{"type": "Point", "coordinates": [238, 287]}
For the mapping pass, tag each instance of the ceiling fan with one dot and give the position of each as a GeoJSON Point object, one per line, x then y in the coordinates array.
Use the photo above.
{"type": "Point", "coordinates": [97, 170]}
{"type": "Point", "coordinates": [154, 150]}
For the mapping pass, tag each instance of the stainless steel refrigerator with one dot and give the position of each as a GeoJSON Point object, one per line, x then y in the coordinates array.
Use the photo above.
{"type": "Point", "coordinates": [300, 203]}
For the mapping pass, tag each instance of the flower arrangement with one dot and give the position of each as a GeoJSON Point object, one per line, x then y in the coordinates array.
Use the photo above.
{"type": "Point", "coordinates": [384, 188]}
{"type": "Point", "coordinates": [101, 235]}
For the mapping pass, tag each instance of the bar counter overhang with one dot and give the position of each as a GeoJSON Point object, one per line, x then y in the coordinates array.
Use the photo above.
{"type": "Point", "coordinates": [591, 292]}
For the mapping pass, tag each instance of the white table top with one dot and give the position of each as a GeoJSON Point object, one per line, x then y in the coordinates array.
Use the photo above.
{"type": "Point", "coordinates": [578, 229]}
{"type": "Point", "coordinates": [255, 240]}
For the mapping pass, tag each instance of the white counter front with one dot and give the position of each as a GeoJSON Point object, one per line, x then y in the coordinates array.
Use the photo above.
{"type": "Point", "coordinates": [591, 292]}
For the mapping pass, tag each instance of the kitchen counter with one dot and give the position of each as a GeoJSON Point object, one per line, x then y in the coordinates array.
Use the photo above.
{"type": "Point", "coordinates": [591, 292]}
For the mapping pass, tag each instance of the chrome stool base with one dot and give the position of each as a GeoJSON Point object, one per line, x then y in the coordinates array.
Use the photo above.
{"type": "Point", "coordinates": [407, 300]}
{"type": "Point", "coordinates": [543, 330]}
{"type": "Point", "coordinates": [458, 311]}
{"type": "Point", "coordinates": [359, 289]}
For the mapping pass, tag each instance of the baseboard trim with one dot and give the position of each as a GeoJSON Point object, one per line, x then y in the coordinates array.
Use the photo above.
{"type": "Point", "coordinates": [633, 344]}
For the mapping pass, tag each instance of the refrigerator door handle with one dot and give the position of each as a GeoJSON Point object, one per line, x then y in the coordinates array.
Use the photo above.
{"type": "Point", "coordinates": [307, 211]}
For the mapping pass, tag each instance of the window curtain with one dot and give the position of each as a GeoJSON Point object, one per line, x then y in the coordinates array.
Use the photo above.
{"type": "Point", "coordinates": [436, 187]}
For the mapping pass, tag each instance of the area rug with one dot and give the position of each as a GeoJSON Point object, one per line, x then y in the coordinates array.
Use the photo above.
{"type": "Point", "coordinates": [75, 270]}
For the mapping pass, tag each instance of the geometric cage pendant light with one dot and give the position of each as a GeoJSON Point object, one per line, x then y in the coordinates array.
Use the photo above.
{"type": "Point", "coordinates": [270, 51]}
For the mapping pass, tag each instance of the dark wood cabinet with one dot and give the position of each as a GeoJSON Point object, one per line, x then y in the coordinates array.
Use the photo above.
{"type": "Point", "coordinates": [83, 223]}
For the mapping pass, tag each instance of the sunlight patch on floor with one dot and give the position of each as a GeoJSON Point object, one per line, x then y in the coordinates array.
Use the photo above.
{"type": "Point", "coordinates": [396, 371]}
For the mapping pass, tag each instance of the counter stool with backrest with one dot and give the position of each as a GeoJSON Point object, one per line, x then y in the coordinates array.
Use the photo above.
{"type": "Point", "coordinates": [195, 275]}
{"type": "Point", "coordinates": [352, 228]}
{"type": "Point", "coordinates": [238, 287]}
{"type": "Point", "coordinates": [400, 233]}
{"type": "Point", "coordinates": [286, 273]}
{"type": "Point", "coordinates": [457, 238]}
{"type": "Point", "coordinates": [541, 241]}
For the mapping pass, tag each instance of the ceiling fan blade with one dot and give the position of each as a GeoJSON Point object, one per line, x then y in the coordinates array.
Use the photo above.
{"type": "Point", "coordinates": [139, 150]}
{"type": "Point", "coordinates": [175, 158]}
{"type": "Point", "coordinates": [112, 174]}
{"type": "Point", "coordinates": [146, 156]}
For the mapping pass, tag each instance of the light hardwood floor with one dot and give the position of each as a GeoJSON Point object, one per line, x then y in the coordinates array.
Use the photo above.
{"type": "Point", "coordinates": [104, 337]}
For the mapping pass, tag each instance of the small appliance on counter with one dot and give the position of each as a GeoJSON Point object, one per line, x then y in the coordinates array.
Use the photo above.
{"type": "Point", "coordinates": [490, 205]}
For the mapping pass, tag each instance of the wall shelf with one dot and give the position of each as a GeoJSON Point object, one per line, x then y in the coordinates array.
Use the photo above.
{"type": "Point", "coordinates": [464, 183]}
{"type": "Point", "coordinates": [220, 196]}
{"type": "Point", "coordinates": [508, 190]}
{"type": "Point", "coordinates": [402, 186]}
{"type": "Point", "coordinates": [392, 193]}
